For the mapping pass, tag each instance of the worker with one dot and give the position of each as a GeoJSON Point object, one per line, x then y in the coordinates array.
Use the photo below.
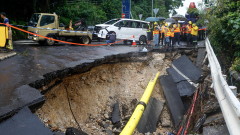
{"type": "Point", "coordinates": [111, 38]}
{"type": "Point", "coordinates": [9, 45]}
{"type": "Point", "coordinates": [162, 33]}
{"type": "Point", "coordinates": [149, 34]}
{"type": "Point", "coordinates": [167, 34]}
{"type": "Point", "coordinates": [194, 33]}
{"type": "Point", "coordinates": [177, 31]}
{"type": "Point", "coordinates": [156, 34]}
{"type": "Point", "coordinates": [172, 39]}
{"type": "Point", "coordinates": [188, 31]}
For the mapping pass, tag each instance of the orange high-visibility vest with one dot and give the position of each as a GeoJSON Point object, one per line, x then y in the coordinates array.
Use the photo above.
{"type": "Point", "coordinates": [162, 29]}
{"type": "Point", "coordinates": [155, 32]}
{"type": "Point", "coordinates": [177, 30]}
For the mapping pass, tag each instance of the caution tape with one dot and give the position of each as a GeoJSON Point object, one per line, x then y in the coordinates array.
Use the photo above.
{"type": "Point", "coordinates": [57, 39]}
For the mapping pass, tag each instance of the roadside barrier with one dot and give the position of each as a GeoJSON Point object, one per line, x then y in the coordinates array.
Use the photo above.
{"type": "Point", "coordinates": [137, 114]}
{"type": "Point", "coordinates": [228, 102]}
{"type": "Point", "coordinates": [57, 39]}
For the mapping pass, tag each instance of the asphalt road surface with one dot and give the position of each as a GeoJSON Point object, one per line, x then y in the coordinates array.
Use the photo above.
{"type": "Point", "coordinates": [33, 61]}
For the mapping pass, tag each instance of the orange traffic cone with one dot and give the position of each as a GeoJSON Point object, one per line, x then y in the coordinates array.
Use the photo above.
{"type": "Point", "coordinates": [134, 42]}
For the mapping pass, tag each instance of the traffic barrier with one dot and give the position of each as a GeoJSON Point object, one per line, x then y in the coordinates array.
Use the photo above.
{"type": "Point", "coordinates": [228, 102]}
{"type": "Point", "coordinates": [134, 42]}
{"type": "Point", "coordinates": [57, 39]}
{"type": "Point", "coordinates": [137, 114]}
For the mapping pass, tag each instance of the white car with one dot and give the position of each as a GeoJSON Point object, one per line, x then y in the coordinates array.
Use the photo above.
{"type": "Point", "coordinates": [124, 29]}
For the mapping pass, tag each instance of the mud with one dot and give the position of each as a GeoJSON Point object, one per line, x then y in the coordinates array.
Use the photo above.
{"type": "Point", "coordinates": [86, 100]}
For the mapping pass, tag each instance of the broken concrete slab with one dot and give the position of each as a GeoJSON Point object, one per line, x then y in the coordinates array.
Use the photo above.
{"type": "Point", "coordinates": [24, 123]}
{"type": "Point", "coordinates": [175, 75]}
{"type": "Point", "coordinates": [185, 88]}
{"type": "Point", "coordinates": [200, 57]}
{"type": "Point", "coordinates": [22, 97]}
{"type": "Point", "coordinates": [214, 119]}
{"type": "Point", "coordinates": [186, 67]}
{"type": "Point", "coordinates": [7, 55]}
{"type": "Point", "coordinates": [150, 117]}
{"type": "Point", "coordinates": [173, 98]}
{"type": "Point", "coordinates": [215, 130]}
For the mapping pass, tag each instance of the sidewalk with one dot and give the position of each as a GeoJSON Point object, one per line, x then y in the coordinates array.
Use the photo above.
{"type": "Point", "coordinates": [6, 55]}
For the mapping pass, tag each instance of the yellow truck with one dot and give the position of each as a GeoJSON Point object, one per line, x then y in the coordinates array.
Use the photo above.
{"type": "Point", "coordinates": [48, 25]}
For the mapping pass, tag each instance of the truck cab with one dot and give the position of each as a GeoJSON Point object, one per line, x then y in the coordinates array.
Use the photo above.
{"type": "Point", "coordinates": [48, 25]}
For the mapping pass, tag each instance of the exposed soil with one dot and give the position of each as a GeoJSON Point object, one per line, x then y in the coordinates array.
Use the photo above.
{"type": "Point", "coordinates": [91, 95]}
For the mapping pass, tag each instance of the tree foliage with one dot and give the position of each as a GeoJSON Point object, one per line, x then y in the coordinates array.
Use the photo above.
{"type": "Point", "coordinates": [224, 29]}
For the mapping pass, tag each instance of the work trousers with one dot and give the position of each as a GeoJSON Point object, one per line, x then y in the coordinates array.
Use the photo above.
{"type": "Point", "coordinates": [177, 37]}
{"type": "Point", "coordinates": [156, 39]}
{"type": "Point", "coordinates": [194, 38]}
{"type": "Point", "coordinates": [189, 39]}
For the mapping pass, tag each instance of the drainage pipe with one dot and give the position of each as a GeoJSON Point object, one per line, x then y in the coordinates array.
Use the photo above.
{"type": "Point", "coordinates": [137, 114]}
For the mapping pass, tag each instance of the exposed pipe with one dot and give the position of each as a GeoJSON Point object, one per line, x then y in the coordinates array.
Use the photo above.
{"type": "Point", "coordinates": [137, 114]}
{"type": "Point", "coordinates": [191, 112]}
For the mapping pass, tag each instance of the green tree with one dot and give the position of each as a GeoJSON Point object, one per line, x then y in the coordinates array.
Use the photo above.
{"type": "Point", "coordinates": [224, 29]}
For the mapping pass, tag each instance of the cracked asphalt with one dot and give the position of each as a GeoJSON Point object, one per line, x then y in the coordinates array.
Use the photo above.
{"type": "Point", "coordinates": [33, 61]}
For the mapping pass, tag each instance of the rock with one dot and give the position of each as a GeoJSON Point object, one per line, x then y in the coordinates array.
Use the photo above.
{"type": "Point", "coordinates": [74, 131]}
{"type": "Point", "coordinates": [106, 116]}
{"type": "Point", "coordinates": [116, 113]}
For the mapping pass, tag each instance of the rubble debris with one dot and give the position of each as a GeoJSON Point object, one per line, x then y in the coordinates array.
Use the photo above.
{"type": "Point", "coordinates": [150, 117]}
{"type": "Point", "coordinates": [200, 57]}
{"type": "Point", "coordinates": [173, 98]}
{"type": "Point", "coordinates": [215, 130]}
{"type": "Point", "coordinates": [116, 114]}
{"type": "Point", "coordinates": [74, 131]}
{"type": "Point", "coordinates": [199, 123]}
{"type": "Point", "coordinates": [214, 119]}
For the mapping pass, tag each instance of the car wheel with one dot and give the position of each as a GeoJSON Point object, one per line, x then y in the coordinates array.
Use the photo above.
{"type": "Point", "coordinates": [49, 41]}
{"type": "Point", "coordinates": [85, 40]}
{"type": "Point", "coordinates": [142, 40]}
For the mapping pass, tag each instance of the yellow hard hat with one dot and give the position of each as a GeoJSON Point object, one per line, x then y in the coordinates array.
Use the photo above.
{"type": "Point", "coordinates": [179, 25]}
{"type": "Point", "coordinates": [155, 23]}
{"type": "Point", "coordinates": [190, 22]}
{"type": "Point", "coordinates": [194, 24]}
{"type": "Point", "coordinates": [174, 25]}
{"type": "Point", "coordinates": [166, 24]}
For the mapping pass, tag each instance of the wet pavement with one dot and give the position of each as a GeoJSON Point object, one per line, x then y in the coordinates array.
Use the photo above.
{"type": "Point", "coordinates": [33, 61]}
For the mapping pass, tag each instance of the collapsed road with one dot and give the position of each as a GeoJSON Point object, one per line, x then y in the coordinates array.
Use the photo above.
{"type": "Point", "coordinates": [98, 95]}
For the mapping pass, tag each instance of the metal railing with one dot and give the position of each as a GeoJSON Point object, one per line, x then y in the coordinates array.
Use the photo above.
{"type": "Point", "coordinates": [228, 102]}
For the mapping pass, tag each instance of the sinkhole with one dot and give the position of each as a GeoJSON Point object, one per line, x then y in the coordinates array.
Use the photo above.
{"type": "Point", "coordinates": [86, 99]}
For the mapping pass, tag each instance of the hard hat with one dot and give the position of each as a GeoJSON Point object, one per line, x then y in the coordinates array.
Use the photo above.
{"type": "Point", "coordinates": [194, 24]}
{"type": "Point", "coordinates": [190, 22]}
{"type": "Point", "coordinates": [179, 25]}
{"type": "Point", "coordinates": [155, 23]}
{"type": "Point", "coordinates": [166, 24]}
{"type": "Point", "coordinates": [174, 25]}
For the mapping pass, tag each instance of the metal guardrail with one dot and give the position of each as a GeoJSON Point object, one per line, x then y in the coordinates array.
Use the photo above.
{"type": "Point", "coordinates": [229, 104]}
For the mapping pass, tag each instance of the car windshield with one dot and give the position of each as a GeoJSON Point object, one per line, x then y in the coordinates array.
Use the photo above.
{"type": "Point", "coordinates": [112, 21]}
{"type": "Point", "coordinates": [34, 19]}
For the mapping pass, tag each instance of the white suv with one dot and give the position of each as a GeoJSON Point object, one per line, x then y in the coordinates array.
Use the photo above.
{"type": "Point", "coordinates": [124, 29]}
